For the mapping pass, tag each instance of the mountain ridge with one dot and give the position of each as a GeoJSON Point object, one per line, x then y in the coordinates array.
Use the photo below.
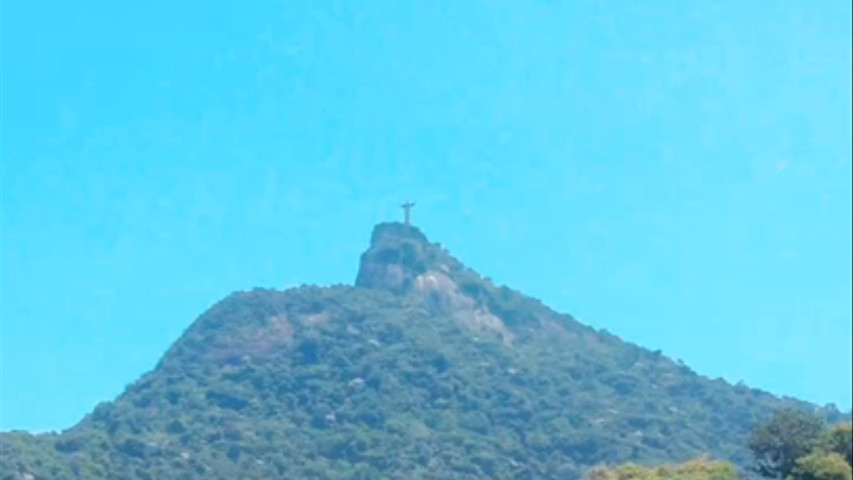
{"type": "Point", "coordinates": [421, 369]}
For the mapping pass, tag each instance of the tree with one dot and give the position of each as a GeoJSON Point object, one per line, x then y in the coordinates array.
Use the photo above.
{"type": "Point", "coordinates": [820, 465]}
{"type": "Point", "coordinates": [698, 469]}
{"type": "Point", "coordinates": [839, 439]}
{"type": "Point", "coordinates": [787, 436]}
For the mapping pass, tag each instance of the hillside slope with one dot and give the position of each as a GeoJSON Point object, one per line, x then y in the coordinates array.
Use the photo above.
{"type": "Point", "coordinates": [422, 370]}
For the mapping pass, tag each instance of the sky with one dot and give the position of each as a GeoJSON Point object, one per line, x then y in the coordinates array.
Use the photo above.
{"type": "Point", "coordinates": [678, 173]}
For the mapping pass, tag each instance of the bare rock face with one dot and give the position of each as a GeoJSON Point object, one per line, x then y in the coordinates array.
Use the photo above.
{"type": "Point", "coordinates": [441, 292]}
{"type": "Point", "coordinates": [442, 295]}
{"type": "Point", "coordinates": [401, 260]}
{"type": "Point", "coordinates": [398, 254]}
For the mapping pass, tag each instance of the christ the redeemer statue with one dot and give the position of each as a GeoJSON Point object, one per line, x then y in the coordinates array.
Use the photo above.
{"type": "Point", "coordinates": [407, 207]}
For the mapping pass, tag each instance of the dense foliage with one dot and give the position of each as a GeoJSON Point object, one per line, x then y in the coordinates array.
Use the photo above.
{"type": "Point", "coordinates": [423, 370]}
{"type": "Point", "coordinates": [699, 469]}
{"type": "Point", "coordinates": [798, 445]}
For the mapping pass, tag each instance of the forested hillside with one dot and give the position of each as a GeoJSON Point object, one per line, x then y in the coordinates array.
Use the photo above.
{"type": "Point", "coordinates": [423, 369]}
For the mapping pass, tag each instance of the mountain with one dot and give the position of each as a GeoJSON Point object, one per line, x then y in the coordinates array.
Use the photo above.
{"type": "Point", "coordinates": [422, 370]}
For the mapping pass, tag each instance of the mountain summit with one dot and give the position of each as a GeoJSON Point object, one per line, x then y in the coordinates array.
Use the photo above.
{"type": "Point", "coordinates": [401, 260]}
{"type": "Point", "coordinates": [422, 370]}
{"type": "Point", "coordinates": [397, 256]}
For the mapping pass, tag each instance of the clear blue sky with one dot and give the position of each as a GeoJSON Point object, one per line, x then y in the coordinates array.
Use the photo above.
{"type": "Point", "coordinates": [677, 172]}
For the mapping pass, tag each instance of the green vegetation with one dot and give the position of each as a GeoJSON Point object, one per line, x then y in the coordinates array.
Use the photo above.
{"type": "Point", "coordinates": [797, 445]}
{"type": "Point", "coordinates": [699, 469]}
{"type": "Point", "coordinates": [839, 439]}
{"type": "Point", "coordinates": [821, 466]}
{"type": "Point", "coordinates": [423, 371]}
